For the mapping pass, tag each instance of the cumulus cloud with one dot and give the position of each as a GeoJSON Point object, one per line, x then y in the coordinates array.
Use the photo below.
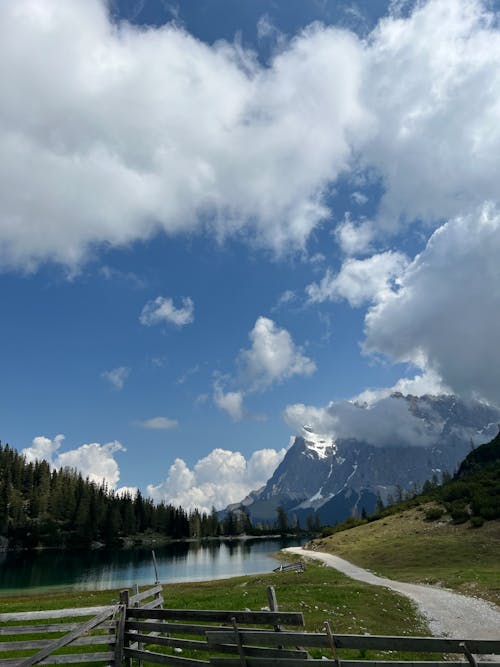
{"type": "Point", "coordinates": [272, 357]}
{"type": "Point", "coordinates": [94, 460]}
{"type": "Point", "coordinates": [445, 313]}
{"type": "Point", "coordinates": [360, 280]}
{"type": "Point", "coordinates": [158, 423]}
{"type": "Point", "coordinates": [433, 83]}
{"type": "Point", "coordinates": [220, 478]}
{"type": "Point", "coordinates": [355, 238]}
{"type": "Point", "coordinates": [162, 309]}
{"type": "Point", "coordinates": [117, 132]}
{"type": "Point", "coordinates": [117, 377]}
{"type": "Point", "coordinates": [42, 448]}
{"type": "Point", "coordinates": [230, 401]}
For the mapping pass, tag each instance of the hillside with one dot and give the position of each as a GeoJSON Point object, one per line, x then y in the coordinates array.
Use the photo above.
{"type": "Point", "coordinates": [450, 535]}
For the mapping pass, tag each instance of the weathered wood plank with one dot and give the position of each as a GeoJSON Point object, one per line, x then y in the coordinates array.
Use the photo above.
{"type": "Point", "coordinates": [120, 629]}
{"type": "Point", "coordinates": [153, 604]}
{"type": "Point", "coordinates": [208, 615]}
{"type": "Point", "coordinates": [52, 613]}
{"type": "Point", "coordinates": [185, 644]}
{"type": "Point", "coordinates": [43, 628]}
{"type": "Point", "coordinates": [163, 659]}
{"type": "Point", "coordinates": [139, 597]}
{"type": "Point", "coordinates": [375, 642]}
{"type": "Point", "coordinates": [190, 644]}
{"type": "Point", "coordinates": [96, 640]}
{"type": "Point", "coordinates": [104, 656]}
{"type": "Point", "coordinates": [67, 639]}
{"type": "Point", "coordinates": [278, 662]}
{"type": "Point", "coordinates": [176, 628]}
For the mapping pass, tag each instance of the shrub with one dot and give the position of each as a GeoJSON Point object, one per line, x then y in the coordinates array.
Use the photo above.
{"type": "Point", "coordinates": [434, 513]}
{"type": "Point", "coordinates": [476, 521]}
{"type": "Point", "coordinates": [459, 514]}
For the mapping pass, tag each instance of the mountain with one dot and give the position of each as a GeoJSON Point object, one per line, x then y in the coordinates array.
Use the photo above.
{"type": "Point", "coordinates": [382, 451]}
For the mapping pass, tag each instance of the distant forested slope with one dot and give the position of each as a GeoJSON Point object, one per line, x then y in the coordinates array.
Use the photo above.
{"type": "Point", "coordinates": [40, 506]}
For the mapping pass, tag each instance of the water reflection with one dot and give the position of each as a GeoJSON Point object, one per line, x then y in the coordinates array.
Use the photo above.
{"type": "Point", "coordinates": [112, 568]}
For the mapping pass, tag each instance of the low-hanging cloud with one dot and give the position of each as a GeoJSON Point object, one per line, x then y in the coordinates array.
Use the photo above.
{"type": "Point", "coordinates": [217, 480]}
{"type": "Point", "coordinates": [391, 421]}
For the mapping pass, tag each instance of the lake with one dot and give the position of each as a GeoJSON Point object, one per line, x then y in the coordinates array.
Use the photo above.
{"type": "Point", "coordinates": [103, 569]}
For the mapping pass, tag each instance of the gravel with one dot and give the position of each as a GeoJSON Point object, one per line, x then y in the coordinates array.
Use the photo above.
{"type": "Point", "coordinates": [447, 613]}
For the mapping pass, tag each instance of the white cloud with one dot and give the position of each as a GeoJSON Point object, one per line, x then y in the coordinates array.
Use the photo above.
{"type": "Point", "coordinates": [94, 460]}
{"type": "Point", "coordinates": [445, 314]}
{"type": "Point", "coordinates": [220, 478]}
{"type": "Point", "coordinates": [286, 298]}
{"type": "Point", "coordinates": [389, 421]}
{"type": "Point", "coordinates": [127, 491]}
{"type": "Point", "coordinates": [158, 423]}
{"type": "Point", "coordinates": [355, 239]}
{"type": "Point", "coordinates": [428, 382]}
{"type": "Point", "coordinates": [117, 377]}
{"type": "Point", "coordinates": [162, 309]}
{"type": "Point", "coordinates": [117, 132]}
{"type": "Point", "coordinates": [433, 83]}
{"type": "Point", "coordinates": [230, 401]}
{"type": "Point", "coordinates": [272, 357]}
{"type": "Point", "coordinates": [359, 198]}
{"type": "Point", "coordinates": [43, 448]}
{"type": "Point", "coordinates": [360, 280]}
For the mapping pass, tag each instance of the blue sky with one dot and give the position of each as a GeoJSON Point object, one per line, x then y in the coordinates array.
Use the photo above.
{"type": "Point", "coordinates": [218, 218]}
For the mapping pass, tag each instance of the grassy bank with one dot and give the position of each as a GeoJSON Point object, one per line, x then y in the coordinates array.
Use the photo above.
{"type": "Point", "coordinates": [320, 593]}
{"type": "Point", "coordinates": [409, 548]}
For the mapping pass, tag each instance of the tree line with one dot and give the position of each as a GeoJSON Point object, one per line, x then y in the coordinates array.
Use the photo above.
{"type": "Point", "coordinates": [45, 507]}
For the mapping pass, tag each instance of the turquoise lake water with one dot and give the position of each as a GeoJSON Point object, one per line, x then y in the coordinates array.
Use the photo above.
{"type": "Point", "coordinates": [104, 569]}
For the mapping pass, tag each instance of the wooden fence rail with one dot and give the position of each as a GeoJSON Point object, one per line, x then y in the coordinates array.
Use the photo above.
{"type": "Point", "coordinates": [181, 630]}
{"type": "Point", "coordinates": [244, 641]}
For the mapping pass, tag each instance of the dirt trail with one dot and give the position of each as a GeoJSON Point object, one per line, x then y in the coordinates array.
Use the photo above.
{"type": "Point", "coordinates": [448, 614]}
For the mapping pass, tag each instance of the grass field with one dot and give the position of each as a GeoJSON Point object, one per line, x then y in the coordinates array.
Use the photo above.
{"type": "Point", "coordinates": [406, 547]}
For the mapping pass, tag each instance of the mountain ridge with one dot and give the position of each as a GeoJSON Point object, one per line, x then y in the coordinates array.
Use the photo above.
{"type": "Point", "coordinates": [336, 478]}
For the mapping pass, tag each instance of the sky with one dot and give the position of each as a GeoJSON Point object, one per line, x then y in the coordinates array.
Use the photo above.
{"type": "Point", "coordinates": [219, 219]}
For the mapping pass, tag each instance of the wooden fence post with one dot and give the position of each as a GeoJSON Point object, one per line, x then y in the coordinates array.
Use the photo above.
{"type": "Point", "coordinates": [273, 603]}
{"type": "Point", "coordinates": [120, 628]}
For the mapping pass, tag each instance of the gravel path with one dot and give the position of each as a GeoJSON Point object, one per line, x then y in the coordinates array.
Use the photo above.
{"type": "Point", "coordinates": [448, 614]}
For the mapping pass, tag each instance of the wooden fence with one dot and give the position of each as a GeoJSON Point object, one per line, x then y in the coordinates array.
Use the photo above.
{"type": "Point", "coordinates": [93, 639]}
{"type": "Point", "coordinates": [243, 640]}
{"type": "Point", "coordinates": [137, 628]}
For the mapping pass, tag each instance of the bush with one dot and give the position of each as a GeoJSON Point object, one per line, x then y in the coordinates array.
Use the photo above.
{"type": "Point", "coordinates": [434, 513]}
{"type": "Point", "coordinates": [459, 514]}
{"type": "Point", "coordinates": [476, 521]}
